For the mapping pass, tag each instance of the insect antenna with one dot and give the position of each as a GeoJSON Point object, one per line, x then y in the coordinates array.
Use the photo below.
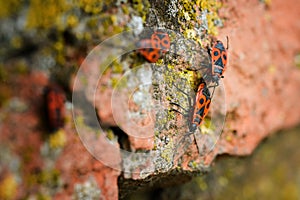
{"type": "Point", "coordinates": [227, 42]}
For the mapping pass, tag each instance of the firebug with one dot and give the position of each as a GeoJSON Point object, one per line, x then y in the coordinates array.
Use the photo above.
{"type": "Point", "coordinates": [218, 55]}
{"type": "Point", "coordinates": [154, 47]}
{"type": "Point", "coordinates": [55, 106]}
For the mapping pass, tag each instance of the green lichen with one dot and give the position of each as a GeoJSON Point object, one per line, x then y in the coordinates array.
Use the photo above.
{"type": "Point", "coordinates": [197, 17]}
{"type": "Point", "coordinates": [118, 82]}
{"type": "Point", "coordinates": [110, 134]}
{"type": "Point", "coordinates": [109, 25]}
{"type": "Point", "coordinates": [168, 152]}
{"type": "Point", "coordinates": [117, 67]}
{"type": "Point", "coordinates": [106, 65]}
{"type": "Point", "coordinates": [170, 115]}
{"type": "Point", "coordinates": [179, 79]}
{"type": "Point", "coordinates": [193, 165]}
{"type": "Point", "coordinates": [114, 82]}
{"type": "Point", "coordinates": [93, 19]}
{"type": "Point", "coordinates": [172, 76]}
{"type": "Point", "coordinates": [47, 178]}
{"type": "Point", "coordinates": [21, 67]}
{"type": "Point", "coordinates": [81, 124]}
{"type": "Point", "coordinates": [41, 196]}
{"type": "Point", "coordinates": [79, 121]}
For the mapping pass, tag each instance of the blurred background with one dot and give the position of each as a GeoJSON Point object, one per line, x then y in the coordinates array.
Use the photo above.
{"type": "Point", "coordinates": [43, 44]}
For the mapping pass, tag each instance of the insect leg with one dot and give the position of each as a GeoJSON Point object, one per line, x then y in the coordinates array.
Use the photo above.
{"type": "Point", "coordinates": [176, 104]}
{"type": "Point", "coordinates": [227, 43]}
{"type": "Point", "coordinates": [208, 51]}
{"type": "Point", "coordinates": [181, 90]}
{"type": "Point", "coordinates": [214, 87]}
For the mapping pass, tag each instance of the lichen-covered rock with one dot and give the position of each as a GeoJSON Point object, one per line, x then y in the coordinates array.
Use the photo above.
{"type": "Point", "coordinates": [125, 124]}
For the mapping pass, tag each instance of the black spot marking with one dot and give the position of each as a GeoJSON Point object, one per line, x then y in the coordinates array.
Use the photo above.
{"type": "Point", "coordinates": [219, 62]}
{"type": "Point", "coordinates": [207, 105]}
{"type": "Point", "coordinates": [201, 101]}
{"type": "Point", "coordinates": [201, 111]}
{"type": "Point", "coordinates": [156, 45]}
{"type": "Point", "coordinates": [234, 132]}
{"type": "Point", "coordinates": [216, 53]}
{"type": "Point", "coordinates": [161, 36]}
{"type": "Point", "coordinates": [154, 56]}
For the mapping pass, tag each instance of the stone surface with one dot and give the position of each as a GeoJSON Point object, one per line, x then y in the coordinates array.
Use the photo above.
{"type": "Point", "coordinates": [121, 132]}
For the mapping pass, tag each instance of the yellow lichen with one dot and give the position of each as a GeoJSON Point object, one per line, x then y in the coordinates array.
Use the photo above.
{"type": "Point", "coordinates": [228, 138]}
{"type": "Point", "coordinates": [125, 10]}
{"type": "Point", "coordinates": [8, 8]}
{"type": "Point", "coordinates": [207, 126]}
{"type": "Point", "coordinates": [60, 51]}
{"type": "Point", "coordinates": [45, 14]}
{"type": "Point", "coordinates": [109, 25]}
{"type": "Point", "coordinates": [58, 139]}
{"type": "Point", "coordinates": [8, 188]}
{"type": "Point", "coordinates": [59, 46]}
{"type": "Point", "coordinates": [72, 21]}
{"type": "Point", "coordinates": [21, 67]}
{"type": "Point", "coordinates": [194, 164]}
{"type": "Point", "coordinates": [114, 82]}
{"type": "Point", "coordinates": [48, 177]}
{"type": "Point", "coordinates": [92, 6]}
{"type": "Point", "coordinates": [16, 42]}
{"type": "Point", "coordinates": [142, 7]}
{"type": "Point", "coordinates": [168, 151]}
{"type": "Point", "coordinates": [110, 134]}
{"type": "Point", "coordinates": [116, 67]}
{"type": "Point", "coordinates": [196, 14]}
{"type": "Point", "coordinates": [119, 82]}
{"type": "Point", "coordinates": [44, 197]}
